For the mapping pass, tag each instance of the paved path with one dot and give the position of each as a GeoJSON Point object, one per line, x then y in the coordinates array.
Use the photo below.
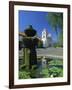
{"type": "Point", "coordinates": [51, 52]}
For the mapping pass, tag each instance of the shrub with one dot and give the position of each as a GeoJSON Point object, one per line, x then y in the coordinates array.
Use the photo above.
{"type": "Point", "coordinates": [56, 72]}
{"type": "Point", "coordinates": [24, 75]}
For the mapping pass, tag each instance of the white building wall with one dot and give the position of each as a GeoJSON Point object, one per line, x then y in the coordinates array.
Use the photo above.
{"type": "Point", "coordinates": [46, 38]}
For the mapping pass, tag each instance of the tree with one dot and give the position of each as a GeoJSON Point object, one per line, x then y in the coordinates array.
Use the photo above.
{"type": "Point", "coordinates": [56, 21]}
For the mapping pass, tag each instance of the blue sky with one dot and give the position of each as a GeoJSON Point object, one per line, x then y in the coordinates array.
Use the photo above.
{"type": "Point", "coordinates": [37, 19]}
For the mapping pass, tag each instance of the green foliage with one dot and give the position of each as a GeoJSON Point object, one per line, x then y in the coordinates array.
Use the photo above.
{"type": "Point", "coordinates": [24, 75]}
{"type": "Point", "coordinates": [24, 72]}
{"type": "Point", "coordinates": [55, 45]}
{"type": "Point", "coordinates": [56, 72]}
{"type": "Point", "coordinates": [56, 21]}
{"type": "Point", "coordinates": [58, 44]}
{"type": "Point", "coordinates": [34, 71]}
{"type": "Point", "coordinates": [44, 73]}
{"type": "Point", "coordinates": [34, 67]}
{"type": "Point", "coordinates": [54, 67]}
{"type": "Point", "coordinates": [56, 62]}
{"type": "Point", "coordinates": [61, 38]}
{"type": "Point", "coordinates": [22, 67]}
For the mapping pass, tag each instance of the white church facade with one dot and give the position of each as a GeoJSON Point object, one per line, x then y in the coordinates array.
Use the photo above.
{"type": "Point", "coordinates": [46, 38]}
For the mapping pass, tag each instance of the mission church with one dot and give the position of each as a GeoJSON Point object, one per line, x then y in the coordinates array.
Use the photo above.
{"type": "Point", "coordinates": [46, 38]}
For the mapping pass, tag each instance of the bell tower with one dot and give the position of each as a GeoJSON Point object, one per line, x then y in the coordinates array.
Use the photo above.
{"type": "Point", "coordinates": [44, 37]}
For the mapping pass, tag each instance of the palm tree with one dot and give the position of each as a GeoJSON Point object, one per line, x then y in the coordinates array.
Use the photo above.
{"type": "Point", "coordinates": [56, 22]}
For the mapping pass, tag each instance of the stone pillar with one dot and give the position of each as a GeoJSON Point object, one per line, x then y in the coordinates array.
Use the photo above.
{"type": "Point", "coordinates": [26, 57]}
